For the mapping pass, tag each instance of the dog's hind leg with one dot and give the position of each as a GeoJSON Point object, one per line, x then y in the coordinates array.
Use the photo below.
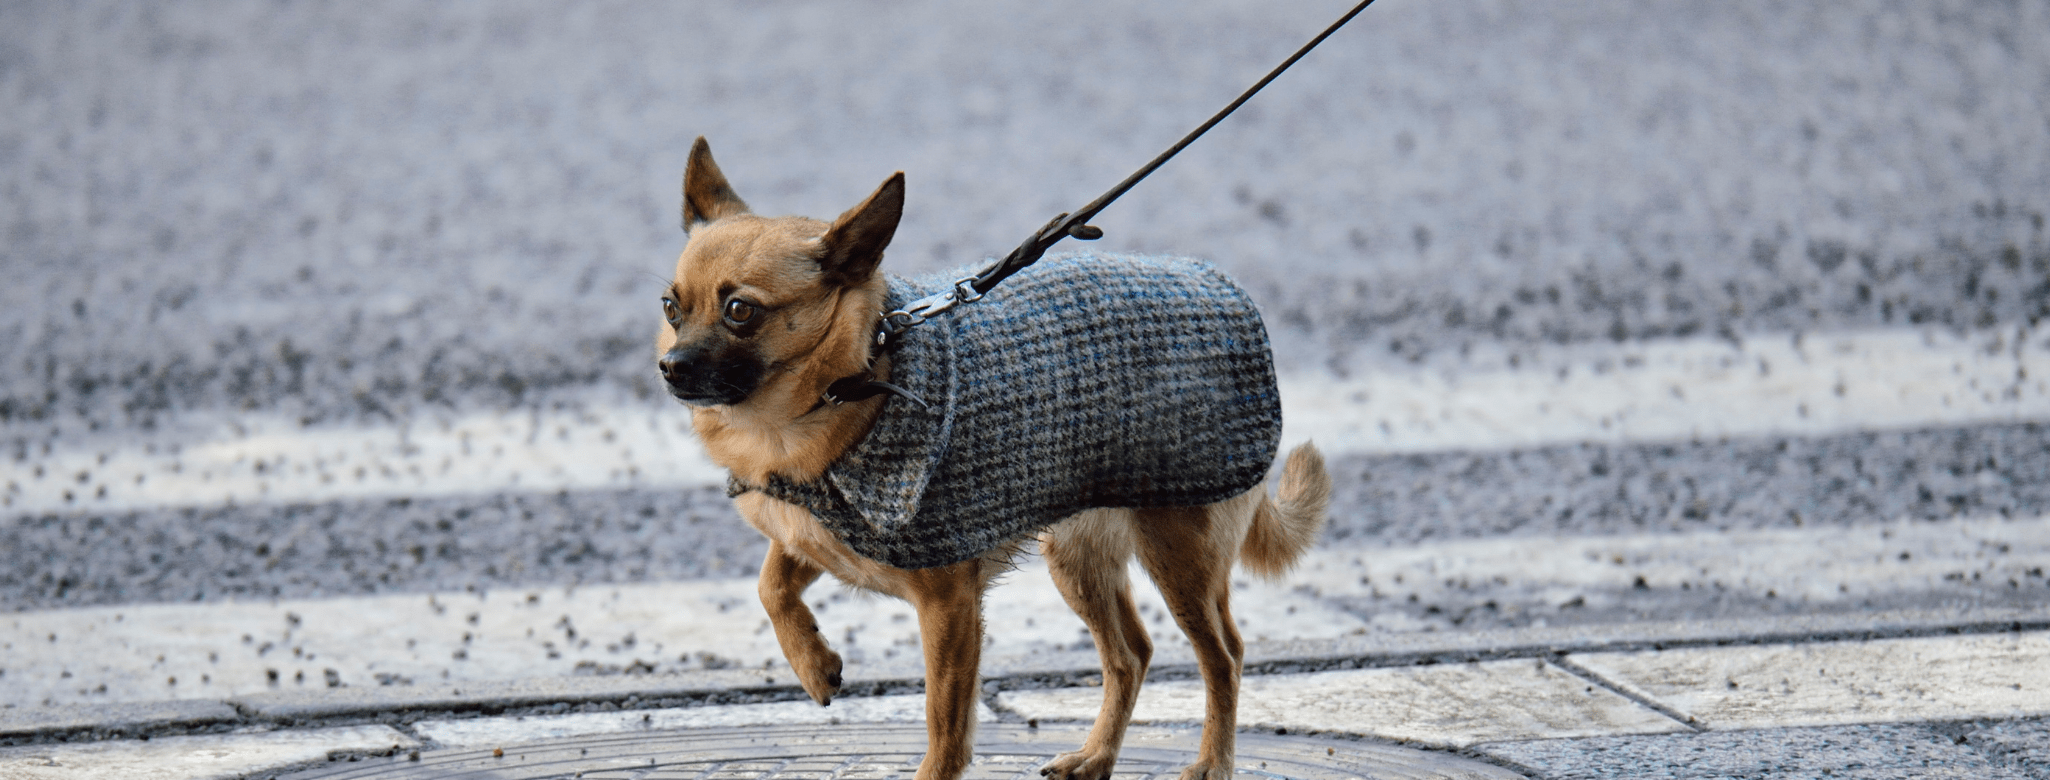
{"type": "Point", "coordinates": [784, 578]}
{"type": "Point", "coordinates": [1086, 555]}
{"type": "Point", "coordinates": [1189, 552]}
{"type": "Point", "coordinates": [948, 600]}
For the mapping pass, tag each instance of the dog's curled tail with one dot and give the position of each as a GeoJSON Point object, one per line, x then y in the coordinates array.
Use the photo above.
{"type": "Point", "coordinates": [1285, 526]}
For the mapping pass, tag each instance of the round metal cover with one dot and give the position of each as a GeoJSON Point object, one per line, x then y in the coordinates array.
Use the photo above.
{"type": "Point", "coordinates": [880, 752]}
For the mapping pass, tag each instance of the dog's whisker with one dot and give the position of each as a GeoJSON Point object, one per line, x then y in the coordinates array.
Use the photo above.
{"type": "Point", "coordinates": [660, 283]}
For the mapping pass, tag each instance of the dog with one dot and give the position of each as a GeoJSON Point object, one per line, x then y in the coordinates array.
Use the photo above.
{"type": "Point", "coordinates": [764, 314]}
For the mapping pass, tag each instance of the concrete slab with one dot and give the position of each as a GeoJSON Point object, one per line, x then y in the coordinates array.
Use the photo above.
{"type": "Point", "coordinates": [195, 757]}
{"type": "Point", "coordinates": [1026, 615]}
{"type": "Point", "coordinates": [253, 649]}
{"type": "Point", "coordinates": [487, 732]}
{"type": "Point", "coordinates": [206, 460]}
{"type": "Point", "coordinates": [1446, 705]}
{"type": "Point", "coordinates": [1600, 578]}
{"type": "Point", "coordinates": [27, 721]}
{"type": "Point", "coordinates": [1812, 384]}
{"type": "Point", "coordinates": [219, 650]}
{"type": "Point", "coordinates": [1947, 678]}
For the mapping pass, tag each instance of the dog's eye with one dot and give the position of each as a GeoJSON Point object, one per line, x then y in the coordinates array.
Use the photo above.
{"type": "Point", "coordinates": [671, 313]}
{"type": "Point", "coordinates": [739, 312]}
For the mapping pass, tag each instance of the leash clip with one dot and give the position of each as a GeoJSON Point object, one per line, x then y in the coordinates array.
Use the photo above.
{"type": "Point", "coordinates": [928, 307]}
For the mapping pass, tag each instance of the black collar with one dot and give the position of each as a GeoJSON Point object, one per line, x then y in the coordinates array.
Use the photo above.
{"type": "Point", "coordinates": [864, 386]}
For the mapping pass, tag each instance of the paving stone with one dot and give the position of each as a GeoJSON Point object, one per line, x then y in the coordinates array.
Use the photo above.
{"type": "Point", "coordinates": [890, 752]}
{"type": "Point", "coordinates": [121, 717]}
{"type": "Point", "coordinates": [1865, 751]}
{"type": "Point", "coordinates": [485, 732]}
{"type": "Point", "coordinates": [1962, 677]}
{"type": "Point", "coordinates": [196, 757]}
{"type": "Point", "coordinates": [1445, 705]}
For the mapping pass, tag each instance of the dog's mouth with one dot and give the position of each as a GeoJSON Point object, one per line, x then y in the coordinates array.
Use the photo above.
{"type": "Point", "coordinates": [710, 391]}
{"type": "Point", "coordinates": [698, 380]}
{"type": "Point", "coordinates": [694, 399]}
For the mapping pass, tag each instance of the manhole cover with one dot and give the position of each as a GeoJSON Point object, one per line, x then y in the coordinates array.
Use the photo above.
{"type": "Point", "coordinates": [874, 752]}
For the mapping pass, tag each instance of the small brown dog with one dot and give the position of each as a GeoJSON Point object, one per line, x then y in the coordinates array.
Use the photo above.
{"type": "Point", "coordinates": [765, 313]}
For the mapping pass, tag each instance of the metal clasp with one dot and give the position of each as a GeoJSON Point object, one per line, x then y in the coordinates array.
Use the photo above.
{"type": "Point", "coordinates": [928, 307]}
{"type": "Point", "coordinates": [964, 290]}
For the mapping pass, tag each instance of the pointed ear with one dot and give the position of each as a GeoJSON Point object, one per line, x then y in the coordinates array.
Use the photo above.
{"type": "Point", "coordinates": [854, 245]}
{"type": "Point", "coordinates": [706, 195]}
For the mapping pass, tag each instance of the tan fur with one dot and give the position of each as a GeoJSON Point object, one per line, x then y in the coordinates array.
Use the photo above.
{"type": "Point", "coordinates": [824, 338]}
{"type": "Point", "coordinates": [1283, 529]}
{"type": "Point", "coordinates": [816, 283]}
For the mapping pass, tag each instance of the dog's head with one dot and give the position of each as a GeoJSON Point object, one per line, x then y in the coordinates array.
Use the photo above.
{"type": "Point", "coordinates": [765, 312]}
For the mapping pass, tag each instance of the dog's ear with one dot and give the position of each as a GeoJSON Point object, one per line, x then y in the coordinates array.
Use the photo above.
{"type": "Point", "coordinates": [706, 195]}
{"type": "Point", "coordinates": [854, 244]}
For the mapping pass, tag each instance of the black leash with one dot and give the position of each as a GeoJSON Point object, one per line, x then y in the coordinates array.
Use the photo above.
{"type": "Point", "coordinates": [1076, 224]}
{"type": "Point", "coordinates": [971, 289]}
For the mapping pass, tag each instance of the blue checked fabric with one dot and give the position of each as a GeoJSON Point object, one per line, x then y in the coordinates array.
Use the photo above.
{"type": "Point", "coordinates": [1081, 382]}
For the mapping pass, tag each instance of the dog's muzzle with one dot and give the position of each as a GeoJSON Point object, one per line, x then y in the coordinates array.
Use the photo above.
{"type": "Point", "coordinates": [699, 378]}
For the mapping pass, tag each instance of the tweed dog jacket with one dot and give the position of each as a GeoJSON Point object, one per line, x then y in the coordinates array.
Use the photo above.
{"type": "Point", "coordinates": [1082, 382]}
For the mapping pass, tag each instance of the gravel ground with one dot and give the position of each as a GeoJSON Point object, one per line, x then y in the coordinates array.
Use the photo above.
{"type": "Point", "coordinates": [362, 211]}
{"type": "Point", "coordinates": [1774, 482]}
{"type": "Point", "coordinates": [1981, 751]}
{"type": "Point", "coordinates": [384, 546]}
{"type": "Point", "coordinates": [353, 212]}
{"type": "Point", "coordinates": [348, 210]}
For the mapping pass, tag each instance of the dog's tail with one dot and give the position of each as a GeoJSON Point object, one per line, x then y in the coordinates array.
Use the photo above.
{"type": "Point", "coordinates": [1285, 526]}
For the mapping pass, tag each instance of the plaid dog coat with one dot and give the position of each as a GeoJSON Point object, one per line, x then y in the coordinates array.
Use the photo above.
{"type": "Point", "coordinates": [1082, 382]}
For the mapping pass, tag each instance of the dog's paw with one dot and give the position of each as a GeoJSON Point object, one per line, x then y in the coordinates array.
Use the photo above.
{"type": "Point", "coordinates": [1206, 771]}
{"type": "Point", "coordinates": [820, 676]}
{"type": "Point", "coordinates": [1080, 765]}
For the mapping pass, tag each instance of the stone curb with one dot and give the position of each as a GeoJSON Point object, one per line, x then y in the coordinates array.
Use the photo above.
{"type": "Point", "coordinates": [1384, 650]}
{"type": "Point", "coordinates": [122, 719]}
{"type": "Point", "coordinates": [728, 686]}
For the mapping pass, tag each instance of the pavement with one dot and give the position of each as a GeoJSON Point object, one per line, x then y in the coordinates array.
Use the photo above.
{"type": "Point", "coordinates": [262, 687]}
{"type": "Point", "coordinates": [1963, 689]}
{"type": "Point", "coordinates": [1680, 367]}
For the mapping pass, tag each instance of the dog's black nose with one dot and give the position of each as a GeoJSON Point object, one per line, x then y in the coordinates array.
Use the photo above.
{"type": "Point", "coordinates": [673, 366]}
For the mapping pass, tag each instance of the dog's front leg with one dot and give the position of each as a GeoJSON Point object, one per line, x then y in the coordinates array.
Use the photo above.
{"type": "Point", "coordinates": [784, 578]}
{"type": "Point", "coordinates": [949, 604]}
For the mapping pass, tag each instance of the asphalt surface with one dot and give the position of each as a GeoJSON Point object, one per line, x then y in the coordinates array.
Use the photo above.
{"type": "Point", "coordinates": [351, 213]}
{"type": "Point", "coordinates": [1951, 750]}
{"type": "Point", "coordinates": [518, 540]}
